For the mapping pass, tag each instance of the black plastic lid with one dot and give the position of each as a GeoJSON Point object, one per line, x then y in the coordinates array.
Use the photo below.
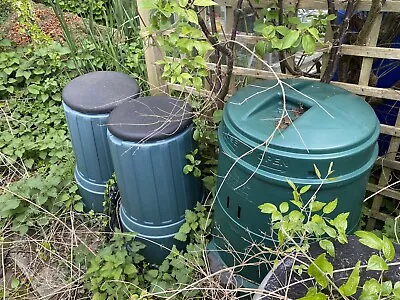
{"type": "Point", "coordinates": [99, 92]}
{"type": "Point", "coordinates": [149, 119]}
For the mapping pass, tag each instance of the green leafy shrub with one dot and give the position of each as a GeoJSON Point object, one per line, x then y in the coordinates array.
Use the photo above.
{"type": "Point", "coordinates": [33, 201]}
{"type": "Point", "coordinates": [114, 273]}
{"type": "Point", "coordinates": [93, 8]}
{"type": "Point", "coordinates": [309, 222]}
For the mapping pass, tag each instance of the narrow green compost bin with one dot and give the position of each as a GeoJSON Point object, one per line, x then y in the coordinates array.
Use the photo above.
{"type": "Point", "coordinates": [87, 102]}
{"type": "Point", "coordinates": [331, 125]}
{"type": "Point", "coordinates": [149, 138]}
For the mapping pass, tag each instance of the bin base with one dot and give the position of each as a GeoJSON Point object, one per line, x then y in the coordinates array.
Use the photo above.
{"type": "Point", "coordinates": [92, 193]}
{"type": "Point", "coordinates": [159, 240]}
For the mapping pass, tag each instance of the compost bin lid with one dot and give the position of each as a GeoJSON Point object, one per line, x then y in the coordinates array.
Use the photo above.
{"type": "Point", "coordinates": [149, 119]}
{"type": "Point", "coordinates": [99, 92]}
{"type": "Point", "coordinates": [326, 119]}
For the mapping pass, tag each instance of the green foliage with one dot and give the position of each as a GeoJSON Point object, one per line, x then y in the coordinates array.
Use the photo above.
{"type": "Point", "coordinates": [115, 272]}
{"type": "Point", "coordinates": [5, 10]}
{"type": "Point", "coordinates": [319, 269]}
{"type": "Point", "coordinates": [193, 164]}
{"type": "Point", "coordinates": [119, 270]}
{"type": "Point", "coordinates": [184, 40]}
{"type": "Point", "coordinates": [27, 21]}
{"type": "Point", "coordinates": [306, 219]}
{"type": "Point", "coordinates": [33, 127]}
{"type": "Point", "coordinates": [197, 225]}
{"type": "Point", "coordinates": [292, 35]}
{"type": "Point", "coordinates": [182, 267]}
{"type": "Point", "coordinates": [298, 224]}
{"type": "Point", "coordinates": [114, 47]}
{"type": "Point", "coordinates": [33, 201]}
{"type": "Point", "coordinates": [88, 8]}
{"type": "Point", "coordinates": [392, 229]}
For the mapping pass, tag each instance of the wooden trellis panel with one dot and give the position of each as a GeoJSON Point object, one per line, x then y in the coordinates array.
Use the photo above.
{"type": "Point", "coordinates": [368, 52]}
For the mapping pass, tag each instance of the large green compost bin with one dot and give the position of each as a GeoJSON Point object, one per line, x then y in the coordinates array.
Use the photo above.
{"type": "Point", "coordinates": [149, 138]}
{"type": "Point", "coordinates": [87, 102]}
{"type": "Point", "coordinates": [331, 125]}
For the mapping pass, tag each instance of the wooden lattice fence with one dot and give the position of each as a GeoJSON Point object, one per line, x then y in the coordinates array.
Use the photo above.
{"type": "Point", "coordinates": [387, 164]}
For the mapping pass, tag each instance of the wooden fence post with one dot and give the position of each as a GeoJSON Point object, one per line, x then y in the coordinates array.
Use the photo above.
{"type": "Point", "coordinates": [151, 53]}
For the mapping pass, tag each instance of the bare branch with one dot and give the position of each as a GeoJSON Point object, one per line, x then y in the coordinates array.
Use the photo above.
{"type": "Point", "coordinates": [337, 43]}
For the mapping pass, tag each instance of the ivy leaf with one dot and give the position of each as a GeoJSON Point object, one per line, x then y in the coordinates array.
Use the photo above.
{"type": "Point", "coordinates": [328, 247]}
{"type": "Point", "coordinates": [377, 263]}
{"type": "Point", "coordinates": [388, 249]}
{"type": "Point", "coordinates": [267, 208]}
{"type": "Point", "coordinates": [204, 3]}
{"type": "Point", "coordinates": [330, 207]}
{"type": "Point", "coordinates": [183, 3]}
{"type": "Point", "coordinates": [350, 287]}
{"type": "Point", "coordinates": [308, 43]}
{"type": "Point", "coordinates": [319, 269]}
{"type": "Point", "coordinates": [290, 39]}
{"type": "Point", "coordinates": [369, 239]}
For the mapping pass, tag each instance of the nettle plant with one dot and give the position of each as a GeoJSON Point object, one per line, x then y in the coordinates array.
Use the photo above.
{"type": "Point", "coordinates": [119, 271]}
{"type": "Point", "coordinates": [309, 222]}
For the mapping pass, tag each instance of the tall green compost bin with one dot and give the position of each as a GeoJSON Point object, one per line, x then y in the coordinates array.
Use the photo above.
{"type": "Point", "coordinates": [87, 102]}
{"type": "Point", "coordinates": [149, 138]}
{"type": "Point", "coordinates": [330, 125]}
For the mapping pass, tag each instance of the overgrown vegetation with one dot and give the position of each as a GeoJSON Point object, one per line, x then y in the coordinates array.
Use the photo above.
{"type": "Point", "coordinates": [39, 202]}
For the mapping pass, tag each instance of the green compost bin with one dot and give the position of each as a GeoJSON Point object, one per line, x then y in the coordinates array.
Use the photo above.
{"type": "Point", "coordinates": [87, 102]}
{"type": "Point", "coordinates": [148, 139]}
{"type": "Point", "coordinates": [330, 125]}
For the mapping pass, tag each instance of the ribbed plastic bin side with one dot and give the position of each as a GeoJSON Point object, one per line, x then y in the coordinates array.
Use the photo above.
{"type": "Point", "coordinates": [87, 102]}
{"type": "Point", "coordinates": [93, 159]}
{"type": "Point", "coordinates": [154, 191]}
{"type": "Point", "coordinates": [149, 161]}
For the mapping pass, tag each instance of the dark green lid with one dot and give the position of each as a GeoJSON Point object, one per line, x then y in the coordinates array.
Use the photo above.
{"type": "Point", "coordinates": [325, 118]}
{"type": "Point", "coordinates": [329, 124]}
